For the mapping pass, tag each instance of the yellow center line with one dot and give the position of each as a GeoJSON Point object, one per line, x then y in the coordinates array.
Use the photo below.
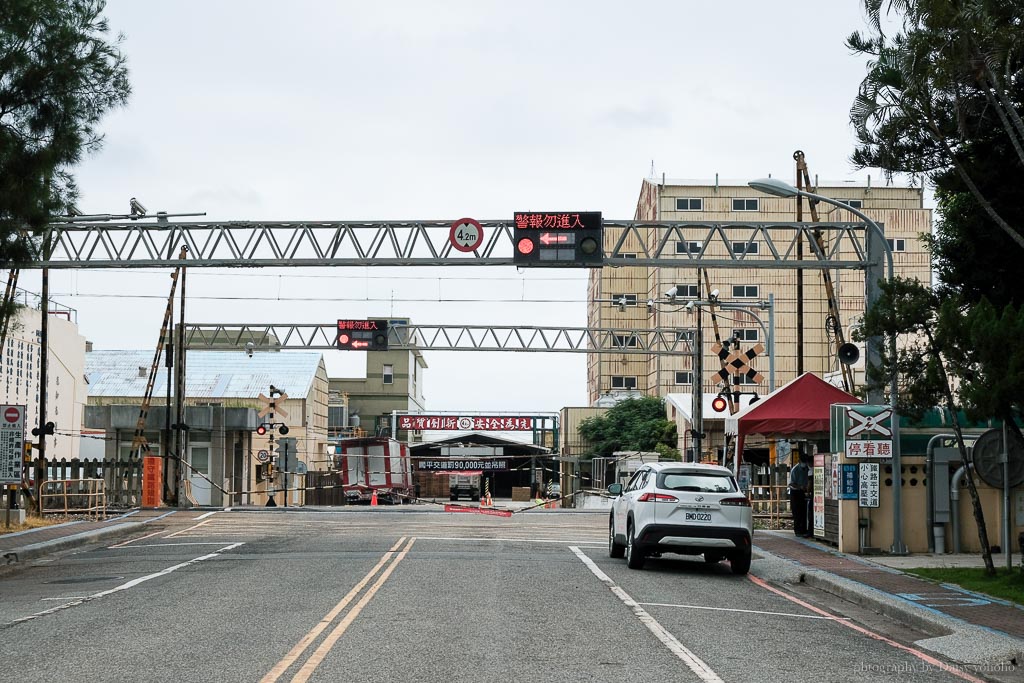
{"type": "Point", "coordinates": [318, 655]}
{"type": "Point", "coordinates": [307, 639]}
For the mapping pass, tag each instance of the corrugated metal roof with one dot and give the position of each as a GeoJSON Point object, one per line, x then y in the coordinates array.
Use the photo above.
{"type": "Point", "coordinates": [209, 374]}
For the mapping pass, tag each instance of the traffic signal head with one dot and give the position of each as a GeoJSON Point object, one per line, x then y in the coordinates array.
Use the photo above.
{"type": "Point", "coordinates": [262, 429]}
{"type": "Point", "coordinates": [719, 404]}
{"type": "Point", "coordinates": [558, 239]}
{"type": "Point", "coordinates": [362, 335]}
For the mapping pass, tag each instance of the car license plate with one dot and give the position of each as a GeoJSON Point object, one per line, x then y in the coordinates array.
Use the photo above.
{"type": "Point", "coordinates": [698, 516]}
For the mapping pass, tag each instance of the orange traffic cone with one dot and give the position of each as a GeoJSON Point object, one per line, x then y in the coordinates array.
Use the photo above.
{"type": "Point", "coordinates": [373, 497]}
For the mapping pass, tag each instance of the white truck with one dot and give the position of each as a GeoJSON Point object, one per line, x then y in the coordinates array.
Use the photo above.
{"type": "Point", "coordinates": [465, 486]}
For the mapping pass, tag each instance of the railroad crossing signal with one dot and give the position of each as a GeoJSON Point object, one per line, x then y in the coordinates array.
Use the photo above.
{"type": "Point", "coordinates": [270, 406]}
{"type": "Point", "coordinates": [558, 239]}
{"type": "Point", "coordinates": [736, 363]}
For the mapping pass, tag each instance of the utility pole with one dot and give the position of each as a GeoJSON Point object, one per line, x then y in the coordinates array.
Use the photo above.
{"type": "Point", "coordinates": [180, 427]}
{"type": "Point", "coordinates": [41, 431]}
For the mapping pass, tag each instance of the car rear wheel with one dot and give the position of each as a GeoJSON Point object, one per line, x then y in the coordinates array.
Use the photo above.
{"type": "Point", "coordinates": [740, 562]}
{"type": "Point", "coordinates": [634, 554]}
{"type": "Point", "coordinates": [616, 550]}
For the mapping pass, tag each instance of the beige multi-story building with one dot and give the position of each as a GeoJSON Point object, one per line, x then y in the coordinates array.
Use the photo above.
{"type": "Point", "coordinates": [20, 363]}
{"type": "Point", "coordinates": [810, 347]}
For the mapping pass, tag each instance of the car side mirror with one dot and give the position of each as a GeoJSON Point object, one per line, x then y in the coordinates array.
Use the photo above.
{"type": "Point", "coordinates": [615, 489]}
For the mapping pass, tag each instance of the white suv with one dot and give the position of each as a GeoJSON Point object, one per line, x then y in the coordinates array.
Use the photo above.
{"type": "Point", "coordinates": [686, 508]}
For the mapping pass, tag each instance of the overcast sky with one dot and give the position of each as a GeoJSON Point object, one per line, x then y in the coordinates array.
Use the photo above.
{"type": "Point", "coordinates": [249, 109]}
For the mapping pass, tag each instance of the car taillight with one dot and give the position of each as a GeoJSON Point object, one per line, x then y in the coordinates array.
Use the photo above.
{"type": "Point", "coordinates": [737, 502]}
{"type": "Point", "coordinates": [657, 498]}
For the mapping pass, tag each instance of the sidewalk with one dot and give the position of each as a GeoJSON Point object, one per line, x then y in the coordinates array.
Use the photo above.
{"type": "Point", "coordinates": [969, 627]}
{"type": "Point", "coordinates": [22, 546]}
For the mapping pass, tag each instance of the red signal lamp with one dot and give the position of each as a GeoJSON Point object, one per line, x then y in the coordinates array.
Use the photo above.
{"type": "Point", "coordinates": [719, 404]}
{"type": "Point", "coordinates": [525, 246]}
{"type": "Point", "coordinates": [262, 429]}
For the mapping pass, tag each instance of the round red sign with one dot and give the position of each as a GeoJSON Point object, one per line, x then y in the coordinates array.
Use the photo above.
{"type": "Point", "coordinates": [12, 414]}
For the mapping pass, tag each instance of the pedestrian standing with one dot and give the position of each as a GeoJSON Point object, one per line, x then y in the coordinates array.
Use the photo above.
{"type": "Point", "coordinates": [799, 483]}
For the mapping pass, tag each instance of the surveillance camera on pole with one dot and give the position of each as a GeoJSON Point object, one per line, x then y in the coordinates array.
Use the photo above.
{"type": "Point", "coordinates": [137, 209]}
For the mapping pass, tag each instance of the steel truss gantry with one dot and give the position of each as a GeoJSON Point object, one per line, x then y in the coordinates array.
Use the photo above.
{"type": "Point", "coordinates": [139, 244]}
{"type": "Point", "coordinates": [447, 338]}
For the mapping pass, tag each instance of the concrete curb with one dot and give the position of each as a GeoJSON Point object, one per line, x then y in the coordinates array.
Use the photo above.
{"type": "Point", "coordinates": [26, 553]}
{"type": "Point", "coordinates": [952, 638]}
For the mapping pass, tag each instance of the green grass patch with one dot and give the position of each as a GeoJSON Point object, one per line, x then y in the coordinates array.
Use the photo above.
{"type": "Point", "coordinates": [1007, 585]}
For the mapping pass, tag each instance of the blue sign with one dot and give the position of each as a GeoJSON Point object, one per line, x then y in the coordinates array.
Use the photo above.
{"type": "Point", "coordinates": [848, 481]}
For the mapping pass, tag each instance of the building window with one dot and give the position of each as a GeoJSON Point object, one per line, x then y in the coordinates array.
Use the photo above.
{"type": "Point", "coordinates": [896, 244]}
{"type": "Point", "coordinates": [686, 291]}
{"type": "Point", "coordinates": [745, 291]}
{"type": "Point", "coordinates": [684, 377]}
{"type": "Point", "coordinates": [627, 256]}
{"type": "Point", "coordinates": [623, 382]}
{"type": "Point", "coordinates": [739, 248]}
{"type": "Point", "coordinates": [853, 203]}
{"type": "Point", "coordinates": [689, 204]}
{"type": "Point", "coordinates": [743, 379]}
{"type": "Point", "coordinates": [389, 374]}
{"type": "Point", "coordinates": [688, 247]}
{"type": "Point", "coordinates": [626, 341]}
{"type": "Point", "coordinates": [745, 204]}
{"type": "Point", "coordinates": [747, 334]}
{"type": "Point", "coordinates": [624, 299]}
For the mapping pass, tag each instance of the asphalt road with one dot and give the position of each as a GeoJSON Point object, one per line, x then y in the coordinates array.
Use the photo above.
{"type": "Point", "coordinates": [380, 595]}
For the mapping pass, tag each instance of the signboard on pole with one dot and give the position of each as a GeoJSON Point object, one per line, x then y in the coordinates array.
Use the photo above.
{"type": "Point", "coordinates": [848, 479]}
{"type": "Point", "coordinates": [12, 443]}
{"type": "Point", "coordinates": [862, 431]}
{"type": "Point", "coordinates": [868, 494]}
{"type": "Point", "coordinates": [818, 501]}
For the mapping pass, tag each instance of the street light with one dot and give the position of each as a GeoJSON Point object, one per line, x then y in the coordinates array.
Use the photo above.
{"type": "Point", "coordinates": [779, 188]}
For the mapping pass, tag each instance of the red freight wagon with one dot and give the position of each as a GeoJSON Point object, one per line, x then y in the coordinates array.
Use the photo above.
{"type": "Point", "coordinates": [374, 464]}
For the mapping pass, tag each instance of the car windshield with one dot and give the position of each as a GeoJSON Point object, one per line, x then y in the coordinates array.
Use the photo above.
{"type": "Point", "coordinates": [696, 481]}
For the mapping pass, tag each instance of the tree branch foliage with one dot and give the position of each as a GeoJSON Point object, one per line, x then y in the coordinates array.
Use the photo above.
{"type": "Point", "coordinates": [636, 424]}
{"type": "Point", "coordinates": [58, 76]}
{"type": "Point", "coordinates": [941, 95]}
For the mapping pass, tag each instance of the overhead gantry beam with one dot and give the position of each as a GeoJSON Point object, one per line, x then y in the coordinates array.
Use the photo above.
{"type": "Point", "coordinates": [426, 243]}
{"type": "Point", "coordinates": [447, 338]}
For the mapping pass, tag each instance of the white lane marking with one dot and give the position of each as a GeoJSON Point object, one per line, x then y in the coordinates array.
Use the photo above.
{"type": "Point", "coordinates": [168, 545]}
{"type": "Point", "coordinates": [69, 597]}
{"type": "Point", "coordinates": [125, 586]}
{"type": "Point", "coordinates": [565, 541]}
{"type": "Point", "coordinates": [696, 664]}
{"type": "Point", "coordinates": [746, 611]}
{"type": "Point", "coordinates": [207, 514]}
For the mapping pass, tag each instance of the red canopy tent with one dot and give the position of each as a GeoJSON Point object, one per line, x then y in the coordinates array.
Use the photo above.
{"type": "Point", "coordinates": [798, 408]}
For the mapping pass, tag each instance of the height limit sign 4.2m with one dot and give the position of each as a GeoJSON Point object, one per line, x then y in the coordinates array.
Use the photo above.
{"type": "Point", "coordinates": [466, 234]}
